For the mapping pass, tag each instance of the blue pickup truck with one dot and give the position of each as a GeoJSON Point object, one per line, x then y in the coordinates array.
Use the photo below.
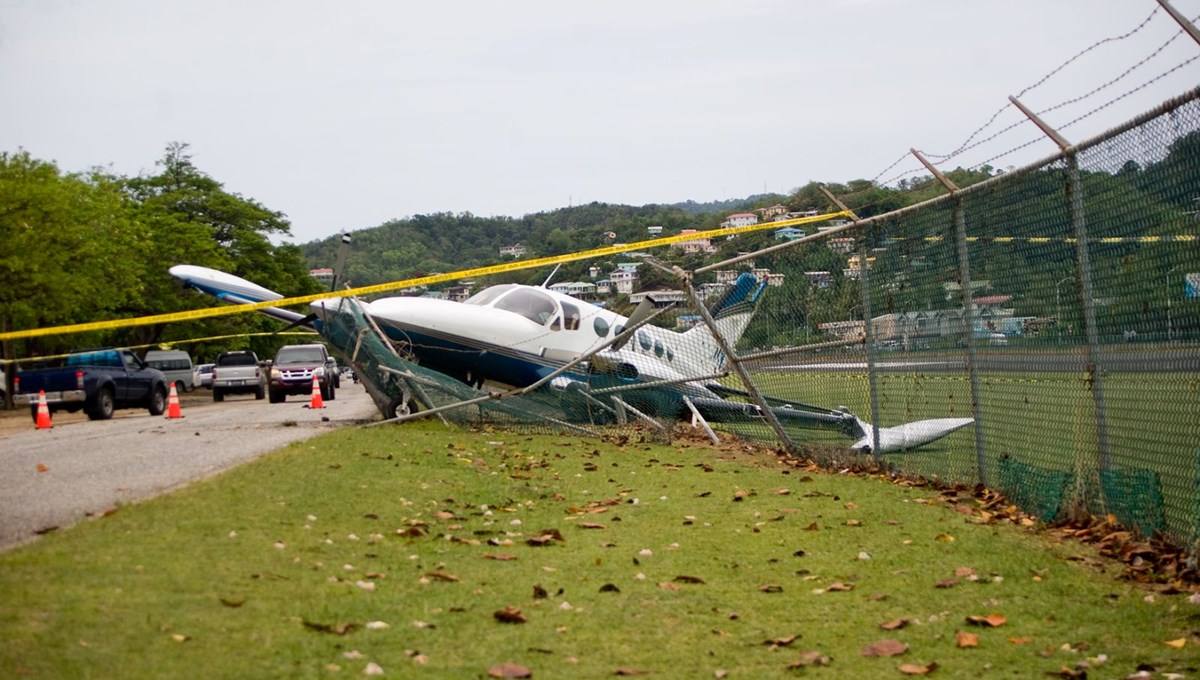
{"type": "Point", "coordinates": [97, 381]}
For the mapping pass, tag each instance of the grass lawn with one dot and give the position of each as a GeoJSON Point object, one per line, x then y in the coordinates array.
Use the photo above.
{"type": "Point", "coordinates": [420, 551]}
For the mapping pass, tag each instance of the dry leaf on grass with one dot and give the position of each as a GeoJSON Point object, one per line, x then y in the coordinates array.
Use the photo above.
{"type": "Point", "coordinates": [810, 658]}
{"type": "Point", "coordinates": [963, 639]}
{"type": "Point", "coordinates": [781, 641]}
{"type": "Point", "coordinates": [509, 670]}
{"type": "Point", "coordinates": [510, 614]}
{"type": "Point", "coordinates": [336, 629]}
{"type": "Point", "coordinates": [885, 648]}
{"type": "Point", "coordinates": [991, 620]}
{"type": "Point", "coordinates": [894, 624]}
{"type": "Point", "coordinates": [918, 669]}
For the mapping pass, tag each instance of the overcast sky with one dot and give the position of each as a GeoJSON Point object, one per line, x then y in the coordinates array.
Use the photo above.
{"type": "Point", "coordinates": [345, 115]}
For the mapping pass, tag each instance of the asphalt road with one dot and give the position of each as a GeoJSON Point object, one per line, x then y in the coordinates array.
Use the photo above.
{"type": "Point", "coordinates": [80, 468]}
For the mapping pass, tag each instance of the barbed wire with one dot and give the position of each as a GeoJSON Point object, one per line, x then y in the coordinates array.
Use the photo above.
{"type": "Point", "coordinates": [971, 142]}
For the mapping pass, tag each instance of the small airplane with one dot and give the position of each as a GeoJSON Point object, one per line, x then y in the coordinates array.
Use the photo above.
{"type": "Point", "coordinates": [520, 335]}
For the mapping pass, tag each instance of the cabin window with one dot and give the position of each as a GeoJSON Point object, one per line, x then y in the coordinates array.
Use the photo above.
{"type": "Point", "coordinates": [658, 348]}
{"type": "Point", "coordinates": [670, 355]}
{"type": "Point", "coordinates": [570, 316]}
{"type": "Point", "coordinates": [531, 304]}
{"type": "Point", "coordinates": [644, 340]}
{"type": "Point", "coordinates": [600, 326]}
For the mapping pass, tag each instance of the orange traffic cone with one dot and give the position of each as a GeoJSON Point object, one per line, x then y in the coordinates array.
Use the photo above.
{"type": "Point", "coordinates": [43, 412]}
{"type": "Point", "coordinates": [317, 400]}
{"type": "Point", "coordinates": [173, 410]}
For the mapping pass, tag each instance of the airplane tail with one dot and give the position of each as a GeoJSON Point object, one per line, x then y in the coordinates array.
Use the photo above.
{"type": "Point", "coordinates": [732, 314]}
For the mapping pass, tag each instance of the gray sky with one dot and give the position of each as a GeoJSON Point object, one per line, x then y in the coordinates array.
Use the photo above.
{"type": "Point", "coordinates": [345, 115]}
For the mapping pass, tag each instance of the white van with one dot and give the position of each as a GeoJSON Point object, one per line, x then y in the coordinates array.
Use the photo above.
{"type": "Point", "coordinates": [177, 365]}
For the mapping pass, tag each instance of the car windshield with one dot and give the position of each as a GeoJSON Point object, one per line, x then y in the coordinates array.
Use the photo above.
{"type": "Point", "coordinates": [300, 355]}
{"type": "Point", "coordinates": [238, 360]}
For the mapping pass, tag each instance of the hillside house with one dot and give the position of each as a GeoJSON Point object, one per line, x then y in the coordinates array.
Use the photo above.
{"type": "Point", "coordinates": [740, 220]}
{"type": "Point", "coordinates": [516, 250]}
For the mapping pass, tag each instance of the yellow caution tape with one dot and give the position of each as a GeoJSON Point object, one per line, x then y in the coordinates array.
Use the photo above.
{"type": "Point", "coordinates": [210, 312]}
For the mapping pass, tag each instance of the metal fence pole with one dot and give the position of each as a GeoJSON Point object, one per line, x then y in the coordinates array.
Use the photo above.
{"type": "Point", "coordinates": [868, 333]}
{"type": "Point", "coordinates": [1086, 294]}
{"type": "Point", "coordinates": [964, 266]}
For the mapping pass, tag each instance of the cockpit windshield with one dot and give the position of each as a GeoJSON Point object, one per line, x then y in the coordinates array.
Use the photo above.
{"type": "Point", "coordinates": [487, 295]}
{"type": "Point", "coordinates": [534, 305]}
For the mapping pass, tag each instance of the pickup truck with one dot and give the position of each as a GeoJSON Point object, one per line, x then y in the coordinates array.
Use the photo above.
{"type": "Point", "coordinates": [97, 381]}
{"type": "Point", "coordinates": [293, 369]}
{"type": "Point", "coordinates": [237, 373]}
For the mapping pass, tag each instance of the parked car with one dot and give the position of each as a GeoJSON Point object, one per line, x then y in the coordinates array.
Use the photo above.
{"type": "Point", "coordinates": [204, 373]}
{"type": "Point", "coordinates": [176, 365]}
{"type": "Point", "coordinates": [237, 373]}
{"type": "Point", "coordinates": [98, 381]}
{"type": "Point", "coordinates": [294, 368]}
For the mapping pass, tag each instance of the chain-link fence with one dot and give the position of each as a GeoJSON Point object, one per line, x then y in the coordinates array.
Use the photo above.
{"type": "Point", "coordinates": [1058, 307]}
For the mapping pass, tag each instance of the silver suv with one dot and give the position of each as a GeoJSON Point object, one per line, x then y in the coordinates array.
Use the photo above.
{"type": "Point", "coordinates": [238, 373]}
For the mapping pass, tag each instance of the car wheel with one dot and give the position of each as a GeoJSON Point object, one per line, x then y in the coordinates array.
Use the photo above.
{"type": "Point", "coordinates": [332, 391]}
{"type": "Point", "coordinates": [218, 395]}
{"type": "Point", "coordinates": [277, 397]}
{"type": "Point", "coordinates": [158, 402]}
{"type": "Point", "coordinates": [260, 393]}
{"type": "Point", "coordinates": [102, 405]}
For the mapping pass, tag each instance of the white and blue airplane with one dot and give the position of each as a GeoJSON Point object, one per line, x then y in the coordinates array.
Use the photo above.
{"type": "Point", "coordinates": [520, 335]}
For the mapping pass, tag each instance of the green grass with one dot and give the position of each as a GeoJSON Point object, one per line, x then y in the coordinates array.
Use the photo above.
{"type": "Point", "coordinates": [246, 574]}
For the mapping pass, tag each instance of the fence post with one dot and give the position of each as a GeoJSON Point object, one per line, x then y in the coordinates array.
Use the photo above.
{"type": "Point", "coordinates": [1086, 296]}
{"type": "Point", "coordinates": [964, 266]}
{"type": "Point", "coordinates": [868, 332]}
{"type": "Point", "coordinates": [763, 406]}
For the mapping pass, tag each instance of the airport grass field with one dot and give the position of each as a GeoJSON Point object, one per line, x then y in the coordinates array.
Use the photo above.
{"type": "Point", "coordinates": [422, 551]}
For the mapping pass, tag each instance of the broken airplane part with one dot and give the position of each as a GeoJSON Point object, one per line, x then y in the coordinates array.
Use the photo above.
{"type": "Point", "coordinates": [527, 336]}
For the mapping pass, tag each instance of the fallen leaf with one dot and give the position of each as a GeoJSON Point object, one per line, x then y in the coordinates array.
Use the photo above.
{"type": "Point", "coordinates": [442, 576]}
{"type": "Point", "coordinates": [509, 670]}
{"type": "Point", "coordinates": [812, 527]}
{"type": "Point", "coordinates": [782, 641]}
{"type": "Point", "coordinates": [840, 587]}
{"type": "Point", "coordinates": [1020, 640]}
{"type": "Point", "coordinates": [1177, 644]}
{"type": "Point", "coordinates": [944, 538]}
{"type": "Point", "coordinates": [689, 579]}
{"type": "Point", "coordinates": [811, 658]}
{"type": "Point", "coordinates": [947, 583]}
{"type": "Point", "coordinates": [629, 671]}
{"type": "Point", "coordinates": [1065, 672]}
{"type": "Point", "coordinates": [667, 585]}
{"type": "Point", "coordinates": [771, 588]}
{"type": "Point", "coordinates": [991, 620]}
{"type": "Point", "coordinates": [591, 525]}
{"type": "Point", "coordinates": [510, 614]}
{"type": "Point", "coordinates": [963, 639]}
{"type": "Point", "coordinates": [885, 648]}
{"type": "Point", "coordinates": [503, 557]}
{"type": "Point", "coordinates": [917, 669]}
{"type": "Point", "coordinates": [894, 624]}
{"type": "Point", "coordinates": [232, 603]}
{"type": "Point", "coordinates": [338, 629]}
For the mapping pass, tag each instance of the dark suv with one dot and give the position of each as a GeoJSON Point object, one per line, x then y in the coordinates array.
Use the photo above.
{"type": "Point", "coordinates": [293, 370]}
